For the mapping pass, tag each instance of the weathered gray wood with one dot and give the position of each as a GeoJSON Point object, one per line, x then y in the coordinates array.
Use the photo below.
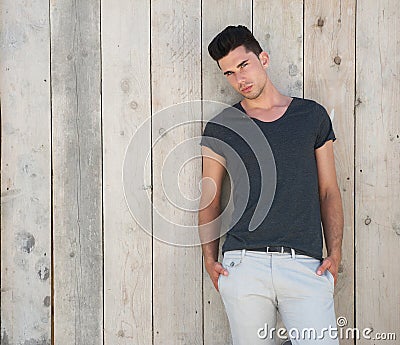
{"type": "Point", "coordinates": [176, 76]}
{"type": "Point", "coordinates": [126, 104]}
{"type": "Point", "coordinates": [278, 25]}
{"type": "Point", "coordinates": [377, 168]}
{"type": "Point", "coordinates": [77, 172]}
{"type": "Point", "coordinates": [216, 88]}
{"type": "Point", "coordinates": [25, 173]}
{"type": "Point", "coordinates": [329, 79]}
{"type": "Point", "coordinates": [176, 59]}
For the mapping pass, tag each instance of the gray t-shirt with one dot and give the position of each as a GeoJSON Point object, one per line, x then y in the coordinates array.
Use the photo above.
{"type": "Point", "coordinates": [276, 177]}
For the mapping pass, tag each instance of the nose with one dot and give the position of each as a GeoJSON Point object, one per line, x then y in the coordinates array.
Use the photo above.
{"type": "Point", "coordinates": [239, 78]}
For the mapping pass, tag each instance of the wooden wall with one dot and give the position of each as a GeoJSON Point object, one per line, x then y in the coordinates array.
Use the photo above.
{"type": "Point", "coordinates": [78, 78]}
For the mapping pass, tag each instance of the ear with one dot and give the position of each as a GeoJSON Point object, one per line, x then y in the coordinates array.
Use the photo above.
{"type": "Point", "coordinates": [264, 58]}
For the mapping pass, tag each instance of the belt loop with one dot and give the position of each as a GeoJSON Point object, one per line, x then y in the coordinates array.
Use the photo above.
{"type": "Point", "coordinates": [293, 253]}
{"type": "Point", "coordinates": [243, 253]}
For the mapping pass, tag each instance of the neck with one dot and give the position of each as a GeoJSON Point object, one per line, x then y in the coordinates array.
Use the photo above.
{"type": "Point", "coordinates": [269, 98]}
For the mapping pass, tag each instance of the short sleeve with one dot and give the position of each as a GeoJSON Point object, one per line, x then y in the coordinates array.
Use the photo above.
{"type": "Point", "coordinates": [212, 137]}
{"type": "Point", "coordinates": [325, 129]}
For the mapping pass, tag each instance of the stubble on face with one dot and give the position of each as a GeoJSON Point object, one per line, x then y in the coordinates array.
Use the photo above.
{"type": "Point", "coordinates": [254, 79]}
{"type": "Point", "coordinates": [254, 93]}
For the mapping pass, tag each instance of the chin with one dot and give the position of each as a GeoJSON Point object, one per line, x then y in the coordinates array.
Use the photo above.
{"type": "Point", "coordinates": [250, 96]}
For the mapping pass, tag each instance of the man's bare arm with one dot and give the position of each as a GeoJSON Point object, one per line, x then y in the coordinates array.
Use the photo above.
{"type": "Point", "coordinates": [209, 210]}
{"type": "Point", "coordinates": [331, 208]}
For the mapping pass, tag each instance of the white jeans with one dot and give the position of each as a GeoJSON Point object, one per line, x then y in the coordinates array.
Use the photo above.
{"type": "Point", "coordinates": [261, 283]}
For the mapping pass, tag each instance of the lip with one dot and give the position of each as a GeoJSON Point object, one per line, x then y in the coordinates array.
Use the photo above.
{"type": "Point", "coordinates": [246, 89]}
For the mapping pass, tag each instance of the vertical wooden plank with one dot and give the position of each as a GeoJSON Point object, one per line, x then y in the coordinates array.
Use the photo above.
{"type": "Point", "coordinates": [377, 167]}
{"type": "Point", "coordinates": [176, 62]}
{"type": "Point", "coordinates": [329, 79]}
{"type": "Point", "coordinates": [126, 104]}
{"type": "Point", "coordinates": [77, 175]}
{"type": "Point", "coordinates": [25, 173]}
{"type": "Point", "coordinates": [278, 25]}
{"type": "Point", "coordinates": [215, 17]}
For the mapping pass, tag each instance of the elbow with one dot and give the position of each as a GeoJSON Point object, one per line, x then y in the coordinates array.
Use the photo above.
{"type": "Point", "coordinates": [329, 193]}
{"type": "Point", "coordinates": [210, 208]}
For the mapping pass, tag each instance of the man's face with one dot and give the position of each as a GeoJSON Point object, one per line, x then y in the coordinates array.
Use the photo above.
{"type": "Point", "coordinates": [245, 71]}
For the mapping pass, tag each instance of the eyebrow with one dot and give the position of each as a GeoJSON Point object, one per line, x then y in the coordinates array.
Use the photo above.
{"type": "Point", "coordinates": [239, 65]}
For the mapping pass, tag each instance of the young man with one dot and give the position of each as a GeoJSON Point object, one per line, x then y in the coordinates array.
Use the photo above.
{"type": "Point", "coordinates": [278, 265]}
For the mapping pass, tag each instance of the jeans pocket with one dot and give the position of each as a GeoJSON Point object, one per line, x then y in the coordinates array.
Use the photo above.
{"type": "Point", "coordinates": [231, 261]}
{"type": "Point", "coordinates": [308, 263]}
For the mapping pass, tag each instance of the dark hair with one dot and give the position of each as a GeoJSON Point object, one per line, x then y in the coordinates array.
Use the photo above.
{"type": "Point", "coordinates": [229, 39]}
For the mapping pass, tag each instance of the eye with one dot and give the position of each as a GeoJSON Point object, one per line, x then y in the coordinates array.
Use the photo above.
{"type": "Point", "coordinates": [244, 64]}
{"type": "Point", "coordinates": [228, 73]}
